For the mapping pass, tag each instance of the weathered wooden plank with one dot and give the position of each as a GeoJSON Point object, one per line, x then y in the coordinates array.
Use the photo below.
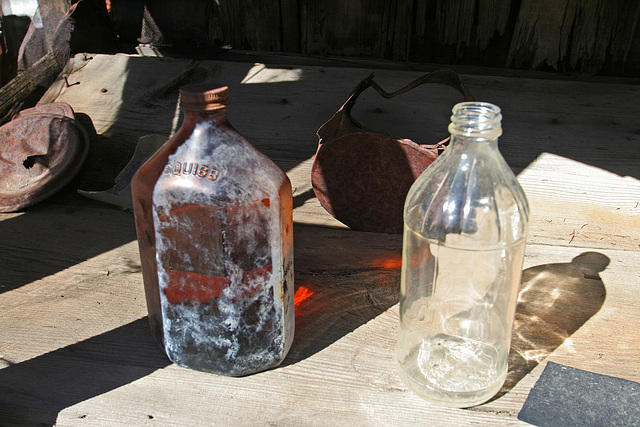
{"type": "Point", "coordinates": [455, 21]}
{"type": "Point", "coordinates": [593, 123]}
{"type": "Point", "coordinates": [290, 16]}
{"type": "Point", "coordinates": [280, 109]}
{"type": "Point", "coordinates": [38, 76]}
{"type": "Point", "coordinates": [342, 360]}
{"type": "Point", "coordinates": [582, 34]}
{"type": "Point", "coordinates": [366, 29]}
{"type": "Point", "coordinates": [395, 31]}
{"type": "Point", "coordinates": [493, 17]}
{"type": "Point", "coordinates": [574, 204]}
{"type": "Point", "coordinates": [575, 308]}
{"type": "Point", "coordinates": [74, 233]}
{"type": "Point", "coordinates": [75, 347]}
{"type": "Point", "coordinates": [257, 25]}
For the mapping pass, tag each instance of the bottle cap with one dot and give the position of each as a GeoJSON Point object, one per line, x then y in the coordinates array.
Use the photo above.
{"type": "Point", "coordinates": [204, 97]}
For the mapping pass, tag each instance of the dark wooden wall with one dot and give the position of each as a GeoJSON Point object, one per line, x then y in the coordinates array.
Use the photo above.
{"type": "Point", "coordinates": [591, 36]}
{"type": "Point", "coordinates": [577, 36]}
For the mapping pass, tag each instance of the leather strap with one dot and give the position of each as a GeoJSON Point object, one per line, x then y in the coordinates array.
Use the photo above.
{"type": "Point", "coordinates": [342, 121]}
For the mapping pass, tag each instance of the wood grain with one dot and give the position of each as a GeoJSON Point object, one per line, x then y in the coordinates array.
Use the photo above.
{"type": "Point", "coordinates": [366, 29]}
{"type": "Point", "coordinates": [582, 36]}
{"type": "Point", "coordinates": [14, 94]}
{"type": "Point", "coordinates": [75, 348]}
{"type": "Point", "coordinates": [577, 34]}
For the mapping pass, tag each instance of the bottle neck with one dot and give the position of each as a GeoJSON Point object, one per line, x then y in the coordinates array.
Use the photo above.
{"type": "Point", "coordinates": [475, 124]}
{"type": "Point", "coordinates": [466, 143]}
{"type": "Point", "coordinates": [197, 116]}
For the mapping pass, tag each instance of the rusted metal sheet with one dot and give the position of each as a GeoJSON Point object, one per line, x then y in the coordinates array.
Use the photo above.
{"type": "Point", "coordinates": [54, 108]}
{"type": "Point", "coordinates": [42, 149]}
{"type": "Point", "coordinates": [361, 177]}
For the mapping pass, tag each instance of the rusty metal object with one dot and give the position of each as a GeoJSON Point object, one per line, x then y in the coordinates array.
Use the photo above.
{"type": "Point", "coordinates": [41, 152]}
{"type": "Point", "coordinates": [53, 108]}
{"type": "Point", "coordinates": [361, 177]}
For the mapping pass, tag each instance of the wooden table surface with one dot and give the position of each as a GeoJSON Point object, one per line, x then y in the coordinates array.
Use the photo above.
{"type": "Point", "coordinates": [75, 348]}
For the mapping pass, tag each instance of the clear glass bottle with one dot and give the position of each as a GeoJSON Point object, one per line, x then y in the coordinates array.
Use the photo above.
{"type": "Point", "coordinates": [466, 220]}
{"type": "Point", "coordinates": [215, 231]}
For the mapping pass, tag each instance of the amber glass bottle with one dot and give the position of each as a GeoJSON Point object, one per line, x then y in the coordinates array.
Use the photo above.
{"type": "Point", "coordinates": [214, 221]}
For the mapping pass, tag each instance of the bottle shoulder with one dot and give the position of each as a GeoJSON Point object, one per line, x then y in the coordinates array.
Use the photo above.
{"type": "Point", "coordinates": [217, 162]}
{"type": "Point", "coordinates": [477, 196]}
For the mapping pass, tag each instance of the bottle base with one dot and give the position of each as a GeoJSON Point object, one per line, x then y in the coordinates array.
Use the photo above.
{"type": "Point", "coordinates": [240, 370]}
{"type": "Point", "coordinates": [452, 371]}
{"type": "Point", "coordinates": [447, 398]}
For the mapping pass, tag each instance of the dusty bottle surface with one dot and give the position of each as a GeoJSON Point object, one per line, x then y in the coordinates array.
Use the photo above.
{"type": "Point", "coordinates": [466, 220]}
{"type": "Point", "coordinates": [215, 231]}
